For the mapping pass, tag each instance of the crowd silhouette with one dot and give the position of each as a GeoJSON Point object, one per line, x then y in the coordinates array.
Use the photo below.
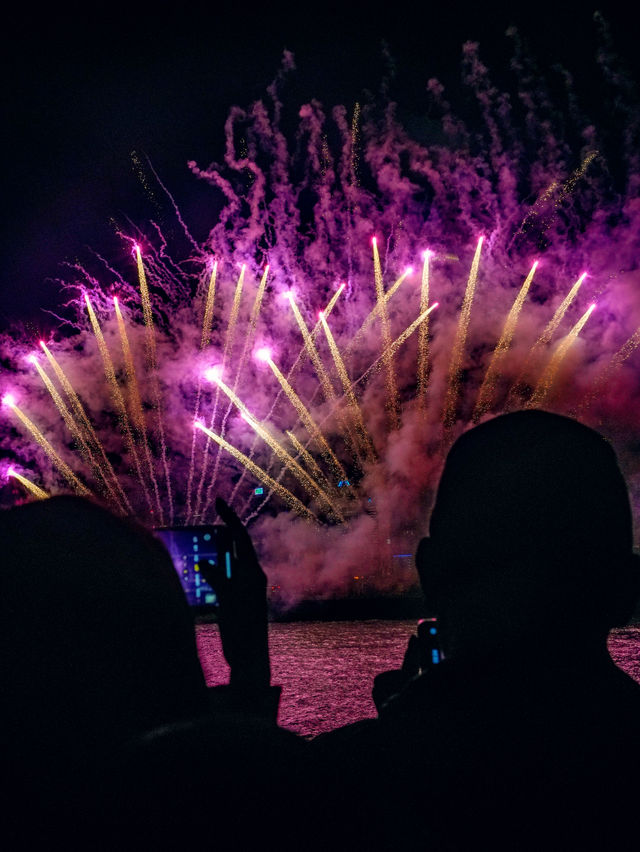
{"type": "Point", "coordinates": [508, 726]}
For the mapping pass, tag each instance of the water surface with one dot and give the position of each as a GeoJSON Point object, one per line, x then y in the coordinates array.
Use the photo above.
{"type": "Point", "coordinates": [326, 668]}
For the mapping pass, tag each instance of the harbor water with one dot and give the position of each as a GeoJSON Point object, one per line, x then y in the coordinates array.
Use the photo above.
{"type": "Point", "coordinates": [326, 668]}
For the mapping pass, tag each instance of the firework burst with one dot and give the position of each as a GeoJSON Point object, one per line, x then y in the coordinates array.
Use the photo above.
{"type": "Point", "coordinates": [294, 361]}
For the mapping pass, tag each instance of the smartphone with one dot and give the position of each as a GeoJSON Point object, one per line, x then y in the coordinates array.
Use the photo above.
{"type": "Point", "coordinates": [190, 549]}
{"type": "Point", "coordinates": [429, 638]}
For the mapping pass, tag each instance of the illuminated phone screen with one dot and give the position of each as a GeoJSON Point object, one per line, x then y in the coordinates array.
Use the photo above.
{"type": "Point", "coordinates": [190, 548]}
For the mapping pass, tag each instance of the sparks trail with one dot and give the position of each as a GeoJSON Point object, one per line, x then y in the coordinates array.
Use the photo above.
{"type": "Point", "coordinates": [204, 342]}
{"type": "Point", "coordinates": [137, 413]}
{"type": "Point", "coordinates": [305, 417]}
{"type": "Point", "coordinates": [118, 400]}
{"type": "Point", "coordinates": [102, 478]}
{"type": "Point", "coordinates": [545, 337]}
{"type": "Point", "coordinates": [152, 365]}
{"type": "Point", "coordinates": [285, 383]}
{"type": "Point", "coordinates": [365, 442]}
{"type": "Point", "coordinates": [545, 382]}
{"type": "Point", "coordinates": [487, 389]}
{"type": "Point", "coordinates": [50, 452]}
{"type": "Point", "coordinates": [291, 501]}
{"type": "Point", "coordinates": [392, 392]}
{"type": "Point", "coordinates": [89, 435]}
{"type": "Point", "coordinates": [457, 355]}
{"type": "Point", "coordinates": [288, 461]}
{"type": "Point", "coordinates": [625, 351]}
{"type": "Point", "coordinates": [31, 487]}
{"type": "Point", "coordinates": [423, 334]}
{"type": "Point", "coordinates": [246, 348]}
{"type": "Point", "coordinates": [228, 346]}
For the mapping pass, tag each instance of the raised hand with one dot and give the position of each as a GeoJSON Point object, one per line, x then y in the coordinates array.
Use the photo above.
{"type": "Point", "coordinates": [242, 617]}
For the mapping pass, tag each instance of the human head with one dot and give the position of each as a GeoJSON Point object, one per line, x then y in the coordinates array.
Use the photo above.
{"type": "Point", "coordinates": [531, 523]}
{"type": "Point", "coordinates": [98, 641]}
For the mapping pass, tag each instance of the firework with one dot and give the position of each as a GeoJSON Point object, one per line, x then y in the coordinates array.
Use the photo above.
{"type": "Point", "coordinates": [329, 441]}
{"type": "Point", "coordinates": [31, 487]}
{"type": "Point", "coordinates": [50, 452]}
{"type": "Point", "coordinates": [487, 388]}
{"type": "Point", "coordinates": [304, 416]}
{"type": "Point", "coordinates": [545, 382]}
{"type": "Point", "coordinates": [290, 500]}
{"type": "Point", "coordinates": [461, 338]}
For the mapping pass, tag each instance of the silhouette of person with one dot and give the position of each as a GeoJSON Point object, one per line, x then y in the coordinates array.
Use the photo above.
{"type": "Point", "coordinates": [522, 733]}
{"type": "Point", "coordinates": [105, 719]}
{"type": "Point", "coordinates": [97, 645]}
{"type": "Point", "coordinates": [230, 778]}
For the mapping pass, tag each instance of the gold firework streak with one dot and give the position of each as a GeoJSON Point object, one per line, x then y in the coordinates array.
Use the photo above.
{"type": "Point", "coordinates": [287, 460]}
{"type": "Point", "coordinates": [312, 352]}
{"type": "Point", "coordinates": [309, 423]}
{"type": "Point", "coordinates": [208, 310]}
{"type": "Point", "coordinates": [392, 392]}
{"type": "Point", "coordinates": [621, 355]}
{"type": "Point", "coordinates": [228, 346]}
{"type": "Point", "coordinates": [152, 365]}
{"type": "Point", "coordinates": [257, 302]}
{"type": "Point", "coordinates": [118, 399]}
{"type": "Point", "coordinates": [53, 456]}
{"type": "Point", "coordinates": [365, 438]}
{"type": "Point", "coordinates": [355, 142]}
{"type": "Point", "coordinates": [248, 341]}
{"type": "Point", "coordinates": [81, 416]}
{"type": "Point", "coordinates": [135, 403]}
{"type": "Point", "coordinates": [146, 310]}
{"type": "Point", "coordinates": [323, 376]}
{"type": "Point", "coordinates": [547, 378]}
{"type": "Point", "coordinates": [397, 343]}
{"type": "Point", "coordinates": [205, 339]}
{"type": "Point", "coordinates": [85, 451]}
{"type": "Point", "coordinates": [308, 458]}
{"type": "Point", "coordinates": [233, 316]}
{"type": "Point", "coordinates": [371, 316]}
{"type": "Point", "coordinates": [565, 189]}
{"type": "Point", "coordinates": [457, 355]}
{"type": "Point", "coordinates": [296, 365]}
{"type": "Point", "coordinates": [260, 474]}
{"type": "Point", "coordinates": [423, 334]}
{"type": "Point", "coordinates": [485, 395]}
{"type": "Point", "coordinates": [561, 310]}
{"type": "Point", "coordinates": [31, 487]}
{"type": "Point", "coordinates": [543, 340]}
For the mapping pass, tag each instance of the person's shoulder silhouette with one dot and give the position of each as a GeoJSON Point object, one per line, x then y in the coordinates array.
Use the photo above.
{"type": "Point", "coordinates": [526, 735]}
{"type": "Point", "coordinates": [109, 736]}
{"type": "Point", "coordinates": [97, 645]}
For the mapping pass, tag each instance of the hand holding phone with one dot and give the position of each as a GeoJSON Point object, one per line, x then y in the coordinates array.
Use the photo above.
{"type": "Point", "coordinates": [241, 588]}
{"type": "Point", "coordinates": [423, 652]}
{"type": "Point", "coordinates": [429, 640]}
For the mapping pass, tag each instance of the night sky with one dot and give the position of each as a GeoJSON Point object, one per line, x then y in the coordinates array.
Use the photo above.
{"type": "Point", "coordinates": [86, 87]}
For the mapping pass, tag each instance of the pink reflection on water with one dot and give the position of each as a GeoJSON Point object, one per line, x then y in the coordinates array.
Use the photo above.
{"type": "Point", "coordinates": [326, 669]}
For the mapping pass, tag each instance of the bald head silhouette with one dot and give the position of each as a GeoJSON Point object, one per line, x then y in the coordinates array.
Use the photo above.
{"type": "Point", "coordinates": [531, 525]}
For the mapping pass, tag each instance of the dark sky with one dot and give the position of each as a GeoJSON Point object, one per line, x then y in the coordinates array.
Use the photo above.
{"type": "Point", "coordinates": [85, 86]}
